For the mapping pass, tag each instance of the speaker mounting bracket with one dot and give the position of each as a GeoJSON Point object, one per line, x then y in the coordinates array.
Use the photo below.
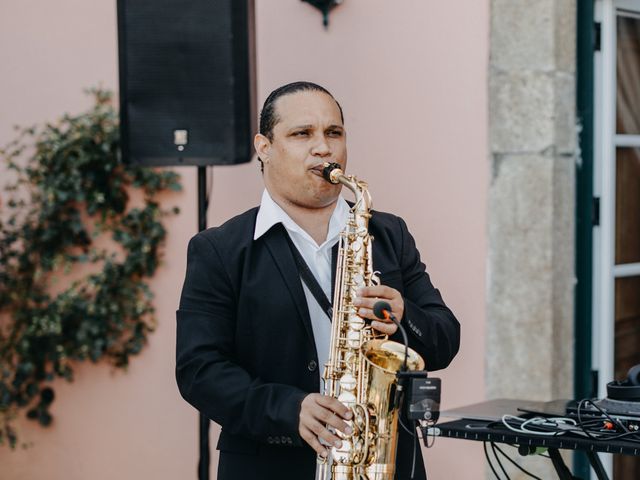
{"type": "Point", "coordinates": [325, 6]}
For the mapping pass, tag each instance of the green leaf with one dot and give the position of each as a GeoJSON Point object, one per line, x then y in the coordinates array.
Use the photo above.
{"type": "Point", "coordinates": [68, 187]}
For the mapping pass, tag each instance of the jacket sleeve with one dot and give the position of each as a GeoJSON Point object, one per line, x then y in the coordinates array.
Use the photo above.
{"type": "Point", "coordinates": [208, 375]}
{"type": "Point", "coordinates": [432, 328]}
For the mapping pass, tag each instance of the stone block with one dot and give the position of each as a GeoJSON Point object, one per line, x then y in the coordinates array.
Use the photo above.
{"type": "Point", "coordinates": [522, 35]}
{"type": "Point", "coordinates": [521, 112]}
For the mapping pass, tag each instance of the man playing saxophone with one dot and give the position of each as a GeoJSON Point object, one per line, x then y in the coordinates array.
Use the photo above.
{"type": "Point", "coordinates": [252, 338]}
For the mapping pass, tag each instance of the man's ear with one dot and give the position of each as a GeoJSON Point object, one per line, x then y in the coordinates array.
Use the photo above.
{"type": "Point", "coordinates": [262, 145]}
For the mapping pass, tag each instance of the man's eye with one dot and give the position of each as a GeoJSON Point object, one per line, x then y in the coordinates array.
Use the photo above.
{"type": "Point", "coordinates": [335, 133]}
{"type": "Point", "coordinates": [300, 133]}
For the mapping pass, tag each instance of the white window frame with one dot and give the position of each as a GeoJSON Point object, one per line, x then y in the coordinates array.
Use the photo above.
{"type": "Point", "coordinates": [605, 271]}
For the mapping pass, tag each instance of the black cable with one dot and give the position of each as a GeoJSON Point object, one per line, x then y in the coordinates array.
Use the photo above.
{"type": "Point", "coordinates": [522, 469]}
{"type": "Point", "coordinates": [406, 429]}
{"type": "Point", "coordinates": [382, 310]}
{"type": "Point", "coordinates": [405, 339]}
{"type": "Point", "coordinates": [588, 434]}
{"type": "Point", "coordinates": [493, 448]}
{"type": "Point", "coordinates": [604, 435]}
{"type": "Point", "coordinates": [415, 452]}
{"type": "Point", "coordinates": [586, 401]}
{"type": "Point", "coordinates": [486, 455]}
{"type": "Point", "coordinates": [430, 425]}
{"type": "Point", "coordinates": [609, 417]}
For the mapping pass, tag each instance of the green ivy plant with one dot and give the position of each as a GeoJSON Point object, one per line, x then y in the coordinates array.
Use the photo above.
{"type": "Point", "coordinates": [69, 190]}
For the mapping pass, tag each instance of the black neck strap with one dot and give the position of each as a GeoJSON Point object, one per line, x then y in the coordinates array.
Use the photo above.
{"type": "Point", "coordinates": [310, 280]}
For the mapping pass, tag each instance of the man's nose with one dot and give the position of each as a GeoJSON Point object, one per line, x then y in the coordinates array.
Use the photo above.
{"type": "Point", "coordinates": [321, 146]}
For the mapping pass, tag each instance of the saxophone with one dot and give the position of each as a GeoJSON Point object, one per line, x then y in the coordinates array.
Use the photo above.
{"type": "Point", "coordinates": [362, 364]}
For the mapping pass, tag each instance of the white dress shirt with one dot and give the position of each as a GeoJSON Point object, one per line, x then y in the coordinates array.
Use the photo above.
{"type": "Point", "coordinates": [318, 258]}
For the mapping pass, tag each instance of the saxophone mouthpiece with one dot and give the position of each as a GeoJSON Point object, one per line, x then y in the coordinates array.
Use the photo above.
{"type": "Point", "coordinates": [328, 169]}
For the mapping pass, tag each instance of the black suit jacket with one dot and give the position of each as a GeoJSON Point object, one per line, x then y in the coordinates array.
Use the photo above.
{"type": "Point", "coordinates": [245, 351]}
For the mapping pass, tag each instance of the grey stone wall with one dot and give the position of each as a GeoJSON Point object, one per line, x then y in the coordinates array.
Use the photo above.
{"type": "Point", "coordinates": [531, 219]}
{"type": "Point", "coordinates": [533, 143]}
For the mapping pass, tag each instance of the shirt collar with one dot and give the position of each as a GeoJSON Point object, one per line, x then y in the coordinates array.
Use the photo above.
{"type": "Point", "coordinates": [270, 214]}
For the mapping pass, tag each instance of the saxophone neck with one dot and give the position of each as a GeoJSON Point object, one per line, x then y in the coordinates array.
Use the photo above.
{"type": "Point", "coordinates": [333, 173]}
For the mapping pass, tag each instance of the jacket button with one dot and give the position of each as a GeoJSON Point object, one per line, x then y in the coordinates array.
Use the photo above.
{"type": "Point", "coordinates": [312, 366]}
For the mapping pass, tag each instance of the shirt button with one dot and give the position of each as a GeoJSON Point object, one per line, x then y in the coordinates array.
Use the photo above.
{"type": "Point", "coordinates": [312, 366]}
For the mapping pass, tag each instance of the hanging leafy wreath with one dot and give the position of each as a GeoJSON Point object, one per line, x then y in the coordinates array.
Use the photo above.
{"type": "Point", "coordinates": [69, 191]}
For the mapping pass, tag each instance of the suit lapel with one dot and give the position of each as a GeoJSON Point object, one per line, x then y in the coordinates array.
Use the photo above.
{"type": "Point", "coordinates": [278, 246]}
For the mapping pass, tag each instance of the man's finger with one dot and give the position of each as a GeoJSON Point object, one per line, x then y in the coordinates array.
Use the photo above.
{"type": "Point", "coordinates": [335, 422]}
{"type": "Point", "coordinates": [366, 313]}
{"type": "Point", "coordinates": [381, 291]}
{"type": "Point", "coordinates": [326, 436]}
{"type": "Point", "coordinates": [365, 302]}
{"type": "Point", "coordinates": [386, 328]}
{"type": "Point", "coordinates": [335, 406]}
{"type": "Point", "coordinates": [308, 436]}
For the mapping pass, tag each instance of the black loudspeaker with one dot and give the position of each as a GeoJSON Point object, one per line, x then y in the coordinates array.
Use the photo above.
{"type": "Point", "coordinates": [628, 389]}
{"type": "Point", "coordinates": [187, 81]}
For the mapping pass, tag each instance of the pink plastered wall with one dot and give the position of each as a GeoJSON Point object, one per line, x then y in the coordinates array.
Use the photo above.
{"type": "Point", "coordinates": [412, 79]}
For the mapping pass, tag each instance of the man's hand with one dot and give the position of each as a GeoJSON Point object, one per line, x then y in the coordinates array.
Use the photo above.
{"type": "Point", "coordinates": [316, 412]}
{"type": "Point", "coordinates": [366, 299]}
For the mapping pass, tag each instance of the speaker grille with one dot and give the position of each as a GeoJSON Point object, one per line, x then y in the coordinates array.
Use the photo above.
{"type": "Point", "coordinates": [186, 65]}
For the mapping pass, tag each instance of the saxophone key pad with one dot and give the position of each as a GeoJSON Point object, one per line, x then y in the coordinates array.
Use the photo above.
{"type": "Point", "coordinates": [347, 398]}
{"type": "Point", "coordinates": [353, 338]}
{"type": "Point", "coordinates": [342, 454]}
{"type": "Point", "coordinates": [356, 323]}
{"type": "Point", "coordinates": [348, 382]}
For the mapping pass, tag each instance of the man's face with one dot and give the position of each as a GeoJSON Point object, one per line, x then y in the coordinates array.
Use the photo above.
{"type": "Point", "coordinates": [309, 133]}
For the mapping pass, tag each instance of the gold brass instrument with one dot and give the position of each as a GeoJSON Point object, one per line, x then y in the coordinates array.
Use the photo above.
{"type": "Point", "coordinates": [362, 365]}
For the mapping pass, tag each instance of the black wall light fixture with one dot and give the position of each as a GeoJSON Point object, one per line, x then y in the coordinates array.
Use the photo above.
{"type": "Point", "coordinates": [325, 6]}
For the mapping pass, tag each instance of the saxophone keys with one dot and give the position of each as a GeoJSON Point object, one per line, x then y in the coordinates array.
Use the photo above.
{"type": "Point", "coordinates": [348, 382]}
{"type": "Point", "coordinates": [353, 336]}
{"type": "Point", "coordinates": [356, 323]}
{"type": "Point", "coordinates": [347, 398]}
{"type": "Point", "coordinates": [342, 454]}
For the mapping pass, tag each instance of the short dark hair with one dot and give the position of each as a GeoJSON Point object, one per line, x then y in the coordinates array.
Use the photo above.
{"type": "Point", "coordinates": [268, 116]}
